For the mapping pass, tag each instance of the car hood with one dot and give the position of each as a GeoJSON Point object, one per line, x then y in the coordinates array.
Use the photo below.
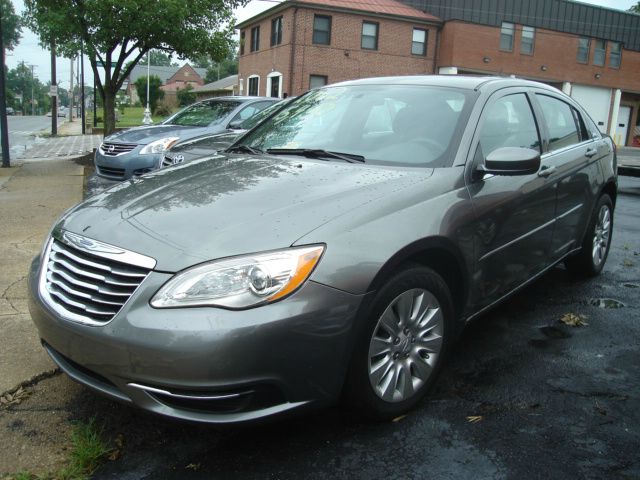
{"type": "Point", "coordinates": [207, 143]}
{"type": "Point", "coordinates": [145, 135]}
{"type": "Point", "coordinates": [225, 206]}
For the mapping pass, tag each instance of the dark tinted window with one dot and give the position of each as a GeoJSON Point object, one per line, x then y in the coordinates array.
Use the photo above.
{"type": "Point", "coordinates": [561, 122]}
{"type": "Point", "coordinates": [509, 122]}
{"type": "Point", "coordinates": [321, 30]}
{"type": "Point", "coordinates": [615, 55]}
{"type": "Point", "coordinates": [255, 39]}
{"type": "Point", "coordinates": [276, 31]}
{"type": "Point", "coordinates": [253, 86]}
{"type": "Point", "coordinates": [203, 114]}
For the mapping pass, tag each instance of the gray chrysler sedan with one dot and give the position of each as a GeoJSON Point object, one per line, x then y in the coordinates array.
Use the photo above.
{"type": "Point", "coordinates": [334, 252]}
{"type": "Point", "coordinates": [140, 150]}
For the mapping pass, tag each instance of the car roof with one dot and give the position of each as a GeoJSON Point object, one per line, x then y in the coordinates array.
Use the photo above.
{"type": "Point", "coordinates": [468, 82]}
{"type": "Point", "coordinates": [238, 98]}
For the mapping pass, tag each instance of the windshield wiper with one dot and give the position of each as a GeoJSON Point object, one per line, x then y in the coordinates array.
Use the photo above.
{"type": "Point", "coordinates": [316, 153]}
{"type": "Point", "coordinates": [244, 149]}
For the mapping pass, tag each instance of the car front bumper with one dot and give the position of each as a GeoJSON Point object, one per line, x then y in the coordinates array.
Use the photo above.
{"type": "Point", "coordinates": [208, 364]}
{"type": "Point", "coordinates": [126, 165]}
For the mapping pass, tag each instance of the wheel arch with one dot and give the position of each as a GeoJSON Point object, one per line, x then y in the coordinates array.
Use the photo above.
{"type": "Point", "coordinates": [441, 255]}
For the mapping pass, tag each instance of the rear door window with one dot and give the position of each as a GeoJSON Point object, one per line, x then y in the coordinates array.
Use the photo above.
{"type": "Point", "coordinates": [561, 122]}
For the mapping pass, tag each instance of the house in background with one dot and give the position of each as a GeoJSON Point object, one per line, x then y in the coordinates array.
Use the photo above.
{"type": "Point", "coordinates": [220, 88]}
{"type": "Point", "coordinates": [172, 79]}
{"type": "Point", "coordinates": [591, 53]}
{"type": "Point", "coordinates": [298, 45]}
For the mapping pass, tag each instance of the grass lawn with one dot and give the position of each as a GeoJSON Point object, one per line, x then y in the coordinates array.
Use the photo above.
{"type": "Point", "coordinates": [132, 117]}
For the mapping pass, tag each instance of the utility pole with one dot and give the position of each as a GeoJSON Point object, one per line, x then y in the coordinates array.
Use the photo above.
{"type": "Point", "coordinates": [84, 127]}
{"type": "Point", "coordinates": [32, 99]}
{"type": "Point", "coordinates": [95, 101]}
{"type": "Point", "coordinates": [147, 111]}
{"type": "Point", "coordinates": [54, 92]}
{"type": "Point", "coordinates": [4, 131]}
{"type": "Point", "coordinates": [71, 94]}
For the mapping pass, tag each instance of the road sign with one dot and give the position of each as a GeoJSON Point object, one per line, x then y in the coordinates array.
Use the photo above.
{"type": "Point", "coordinates": [53, 91]}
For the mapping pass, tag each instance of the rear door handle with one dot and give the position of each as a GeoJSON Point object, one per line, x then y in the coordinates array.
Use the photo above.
{"type": "Point", "coordinates": [590, 152]}
{"type": "Point", "coordinates": [546, 171]}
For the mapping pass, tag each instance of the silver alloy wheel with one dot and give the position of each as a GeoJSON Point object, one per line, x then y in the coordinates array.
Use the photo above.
{"type": "Point", "coordinates": [406, 344]}
{"type": "Point", "coordinates": [601, 235]}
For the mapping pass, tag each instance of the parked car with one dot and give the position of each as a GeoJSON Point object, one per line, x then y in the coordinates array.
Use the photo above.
{"type": "Point", "coordinates": [210, 144]}
{"type": "Point", "coordinates": [140, 150]}
{"type": "Point", "coordinates": [335, 252]}
{"type": "Point", "coordinates": [10, 111]}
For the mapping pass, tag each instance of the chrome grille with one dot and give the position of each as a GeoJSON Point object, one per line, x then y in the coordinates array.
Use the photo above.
{"type": "Point", "coordinates": [114, 149]}
{"type": "Point", "coordinates": [89, 288]}
{"type": "Point", "coordinates": [166, 161]}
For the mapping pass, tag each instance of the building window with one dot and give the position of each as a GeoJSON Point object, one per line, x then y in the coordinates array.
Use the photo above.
{"type": "Point", "coordinates": [506, 37]}
{"type": "Point", "coordinates": [528, 40]}
{"type": "Point", "coordinates": [614, 55]}
{"type": "Point", "coordinates": [600, 52]}
{"type": "Point", "coordinates": [316, 81]}
{"type": "Point", "coordinates": [276, 31]}
{"type": "Point", "coordinates": [321, 30]}
{"type": "Point", "coordinates": [369, 39]}
{"type": "Point", "coordinates": [254, 85]}
{"type": "Point", "coordinates": [419, 42]}
{"type": "Point", "coordinates": [242, 40]}
{"type": "Point", "coordinates": [584, 45]}
{"type": "Point", "coordinates": [255, 39]}
{"type": "Point", "coordinates": [274, 84]}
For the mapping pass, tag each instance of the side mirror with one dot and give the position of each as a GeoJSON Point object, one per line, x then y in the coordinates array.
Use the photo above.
{"type": "Point", "coordinates": [511, 161]}
{"type": "Point", "coordinates": [235, 125]}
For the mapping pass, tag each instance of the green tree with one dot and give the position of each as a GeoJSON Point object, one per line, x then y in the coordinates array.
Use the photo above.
{"type": "Point", "coordinates": [160, 59]}
{"type": "Point", "coordinates": [186, 96]}
{"type": "Point", "coordinates": [11, 25]}
{"type": "Point", "coordinates": [115, 31]}
{"type": "Point", "coordinates": [635, 8]}
{"type": "Point", "coordinates": [21, 83]}
{"type": "Point", "coordinates": [155, 93]}
{"type": "Point", "coordinates": [222, 69]}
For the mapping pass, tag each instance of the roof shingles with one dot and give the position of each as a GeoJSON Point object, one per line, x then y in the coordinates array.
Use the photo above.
{"type": "Point", "coordinates": [386, 7]}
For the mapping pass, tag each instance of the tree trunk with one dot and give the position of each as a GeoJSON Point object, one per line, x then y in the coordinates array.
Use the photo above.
{"type": "Point", "coordinates": [109, 113]}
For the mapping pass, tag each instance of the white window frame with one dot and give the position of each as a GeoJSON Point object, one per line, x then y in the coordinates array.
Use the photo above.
{"type": "Point", "coordinates": [269, 79]}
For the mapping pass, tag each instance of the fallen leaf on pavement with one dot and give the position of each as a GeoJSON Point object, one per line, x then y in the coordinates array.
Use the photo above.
{"type": "Point", "coordinates": [475, 418]}
{"type": "Point", "coordinates": [574, 320]}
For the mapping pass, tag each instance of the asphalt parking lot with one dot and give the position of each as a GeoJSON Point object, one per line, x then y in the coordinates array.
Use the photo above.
{"type": "Point", "coordinates": [523, 396]}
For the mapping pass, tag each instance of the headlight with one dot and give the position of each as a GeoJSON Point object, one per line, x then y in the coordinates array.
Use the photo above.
{"type": "Point", "coordinates": [240, 282]}
{"type": "Point", "coordinates": [159, 146]}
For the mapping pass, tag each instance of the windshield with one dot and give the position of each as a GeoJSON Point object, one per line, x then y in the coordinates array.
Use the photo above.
{"type": "Point", "coordinates": [203, 114]}
{"type": "Point", "coordinates": [406, 125]}
{"type": "Point", "coordinates": [251, 122]}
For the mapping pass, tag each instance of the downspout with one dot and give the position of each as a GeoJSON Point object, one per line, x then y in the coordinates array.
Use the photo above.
{"type": "Point", "coordinates": [293, 50]}
{"type": "Point", "coordinates": [437, 50]}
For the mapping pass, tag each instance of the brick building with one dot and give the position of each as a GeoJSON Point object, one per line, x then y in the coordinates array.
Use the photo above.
{"type": "Point", "coordinates": [591, 53]}
{"type": "Point", "coordinates": [298, 45]}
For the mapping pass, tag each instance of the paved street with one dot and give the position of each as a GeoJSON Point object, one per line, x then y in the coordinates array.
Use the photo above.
{"type": "Point", "coordinates": [523, 396]}
{"type": "Point", "coordinates": [22, 131]}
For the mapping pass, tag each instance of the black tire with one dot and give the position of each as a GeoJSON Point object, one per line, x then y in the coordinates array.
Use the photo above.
{"type": "Point", "coordinates": [585, 263]}
{"type": "Point", "coordinates": [359, 391]}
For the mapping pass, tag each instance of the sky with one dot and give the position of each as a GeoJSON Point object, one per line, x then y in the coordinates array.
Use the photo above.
{"type": "Point", "coordinates": [30, 51]}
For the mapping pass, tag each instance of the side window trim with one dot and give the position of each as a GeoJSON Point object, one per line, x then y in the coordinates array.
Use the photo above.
{"type": "Point", "coordinates": [546, 152]}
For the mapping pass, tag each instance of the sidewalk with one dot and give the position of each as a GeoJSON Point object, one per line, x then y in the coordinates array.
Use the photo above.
{"type": "Point", "coordinates": [32, 197]}
{"type": "Point", "coordinates": [69, 143]}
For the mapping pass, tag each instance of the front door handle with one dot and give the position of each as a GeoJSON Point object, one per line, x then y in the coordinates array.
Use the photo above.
{"type": "Point", "coordinates": [590, 152]}
{"type": "Point", "coordinates": [546, 171]}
